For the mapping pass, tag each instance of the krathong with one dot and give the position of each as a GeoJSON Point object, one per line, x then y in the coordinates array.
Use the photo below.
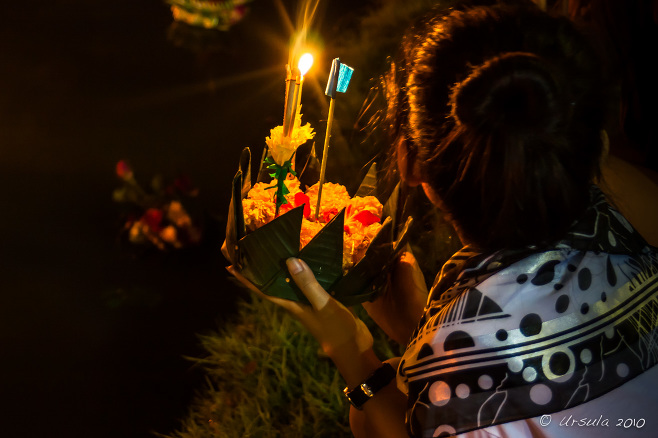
{"type": "Point", "coordinates": [343, 239]}
{"type": "Point", "coordinates": [362, 214]}
{"type": "Point", "coordinates": [209, 14]}
{"type": "Point", "coordinates": [348, 249]}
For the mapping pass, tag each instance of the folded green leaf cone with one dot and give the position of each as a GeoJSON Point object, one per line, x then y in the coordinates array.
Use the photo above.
{"type": "Point", "coordinates": [261, 255]}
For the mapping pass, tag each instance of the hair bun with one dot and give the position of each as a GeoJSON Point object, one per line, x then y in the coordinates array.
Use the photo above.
{"type": "Point", "coordinates": [512, 91]}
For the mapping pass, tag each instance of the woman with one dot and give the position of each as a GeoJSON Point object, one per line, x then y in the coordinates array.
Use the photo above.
{"type": "Point", "coordinates": [550, 308]}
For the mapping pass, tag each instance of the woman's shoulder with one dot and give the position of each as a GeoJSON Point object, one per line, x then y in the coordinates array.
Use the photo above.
{"type": "Point", "coordinates": [534, 329]}
{"type": "Point", "coordinates": [634, 190]}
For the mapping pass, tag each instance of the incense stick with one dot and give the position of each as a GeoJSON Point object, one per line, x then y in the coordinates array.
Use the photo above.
{"type": "Point", "coordinates": [325, 153]}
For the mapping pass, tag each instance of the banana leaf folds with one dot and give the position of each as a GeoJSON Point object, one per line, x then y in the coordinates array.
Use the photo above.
{"type": "Point", "coordinates": [260, 255]}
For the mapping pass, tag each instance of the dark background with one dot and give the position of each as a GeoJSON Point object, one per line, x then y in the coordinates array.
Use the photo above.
{"type": "Point", "coordinates": [93, 334]}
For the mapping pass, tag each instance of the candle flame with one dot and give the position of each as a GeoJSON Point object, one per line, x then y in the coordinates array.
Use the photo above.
{"type": "Point", "coordinates": [305, 63]}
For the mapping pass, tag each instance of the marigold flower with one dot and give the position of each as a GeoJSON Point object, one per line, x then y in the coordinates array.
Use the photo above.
{"type": "Point", "coordinates": [334, 197]}
{"type": "Point", "coordinates": [308, 232]}
{"type": "Point", "coordinates": [169, 235]}
{"type": "Point", "coordinates": [362, 214]}
{"type": "Point", "coordinates": [282, 148]}
{"type": "Point", "coordinates": [264, 192]}
{"type": "Point", "coordinates": [257, 212]}
{"type": "Point", "coordinates": [177, 215]}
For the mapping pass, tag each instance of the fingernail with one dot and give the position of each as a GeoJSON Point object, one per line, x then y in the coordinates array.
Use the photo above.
{"type": "Point", "coordinates": [294, 265]}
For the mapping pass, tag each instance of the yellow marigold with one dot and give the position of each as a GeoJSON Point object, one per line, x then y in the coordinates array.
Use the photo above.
{"type": "Point", "coordinates": [334, 197]}
{"type": "Point", "coordinates": [261, 192]}
{"type": "Point", "coordinates": [135, 234]}
{"type": "Point", "coordinates": [177, 214]}
{"type": "Point", "coordinates": [257, 212]}
{"type": "Point", "coordinates": [282, 148]}
{"type": "Point", "coordinates": [365, 203]}
{"type": "Point", "coordinates": [309, 230]}
{"type": "Point", "coordinates": [361, 216]}
{"type": "Point", "coordinates": [356, 242]}
{"type": "Point", "coordinates": [169, 235]}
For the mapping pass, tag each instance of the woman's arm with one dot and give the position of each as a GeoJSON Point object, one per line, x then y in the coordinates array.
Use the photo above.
{"type": "Point", "coordinates": [347, 341]}
{"type": "Point", "coordinates": [382, 415]}
{"type": "Point", "coordinates": [398, 310]}
{"type": "Point", "coordinates": [365, 423]}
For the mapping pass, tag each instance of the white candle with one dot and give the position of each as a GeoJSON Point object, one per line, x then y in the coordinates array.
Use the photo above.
{"type": "Point", "coordinates": [304, 65]}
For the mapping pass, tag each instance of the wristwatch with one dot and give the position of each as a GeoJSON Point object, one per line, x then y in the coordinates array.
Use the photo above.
{"type": "Point", "coordinates": [377, 380]}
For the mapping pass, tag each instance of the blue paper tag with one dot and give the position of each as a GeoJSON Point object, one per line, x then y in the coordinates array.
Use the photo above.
{"type": "Point", "coordinates": [344, 78]}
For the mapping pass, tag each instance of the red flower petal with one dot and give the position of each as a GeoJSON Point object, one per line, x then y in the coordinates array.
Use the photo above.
{"type": "Point", "coordinates": [328, 215]}
{"type": "Point", "coordinates": [284, 208]}
{"type": "Point", "coordinates": [366, 218]}
{"type": "Point", "coordinates": [301, 198]}
{"type": "Point", "coordinates": [347, 229]}
{"type": "Point", "coordinates": [123, 170]}
{"type": "Point", "coordinates": [152, 218]}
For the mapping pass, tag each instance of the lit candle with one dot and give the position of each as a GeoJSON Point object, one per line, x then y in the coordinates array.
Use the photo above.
{"type": "Point", "coordinates": [304, 65]}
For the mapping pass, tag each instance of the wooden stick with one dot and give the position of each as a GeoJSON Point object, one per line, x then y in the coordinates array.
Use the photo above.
{"type": "Point", "coordinates": [325, 152]}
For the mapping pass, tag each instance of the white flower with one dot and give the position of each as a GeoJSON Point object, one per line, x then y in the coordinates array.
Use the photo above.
{"type": "Point", "coordinates": [282, 148]}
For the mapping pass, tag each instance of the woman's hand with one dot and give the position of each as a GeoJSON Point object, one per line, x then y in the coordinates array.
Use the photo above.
{"type": "Point", "coordinates": [333, 325]}
{"type": "Point", "coordinates": [398, 310]}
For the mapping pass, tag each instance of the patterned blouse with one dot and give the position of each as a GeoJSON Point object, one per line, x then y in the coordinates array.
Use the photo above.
{"type": "Point", "coordinates": [518, 334]}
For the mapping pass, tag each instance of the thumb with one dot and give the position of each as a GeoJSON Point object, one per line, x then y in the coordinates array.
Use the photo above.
{"type": "Point", "coordinates": [305, 280]}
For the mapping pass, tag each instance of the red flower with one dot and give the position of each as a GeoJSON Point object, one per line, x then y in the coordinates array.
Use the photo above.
{"type": "Point", "coordinates": [366, 218]}
{"type": "Point", "coordinates": [152, 218]}
{"type": "Point", "coordinates": [124, 171]}
{"type": "Point", "coordinates": [284, 208]}
{"type": "Point", "coordinates": [328, 215]}
{"type": "Point", "coordinates": [301, 198]}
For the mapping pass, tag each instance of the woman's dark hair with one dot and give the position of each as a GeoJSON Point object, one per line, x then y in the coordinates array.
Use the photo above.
{"type": "Point", "coordinates": [501, 107]}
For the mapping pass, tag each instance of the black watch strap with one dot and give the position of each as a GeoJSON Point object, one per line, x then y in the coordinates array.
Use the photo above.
{"type": "Point", "coordinates": [379, 379]}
